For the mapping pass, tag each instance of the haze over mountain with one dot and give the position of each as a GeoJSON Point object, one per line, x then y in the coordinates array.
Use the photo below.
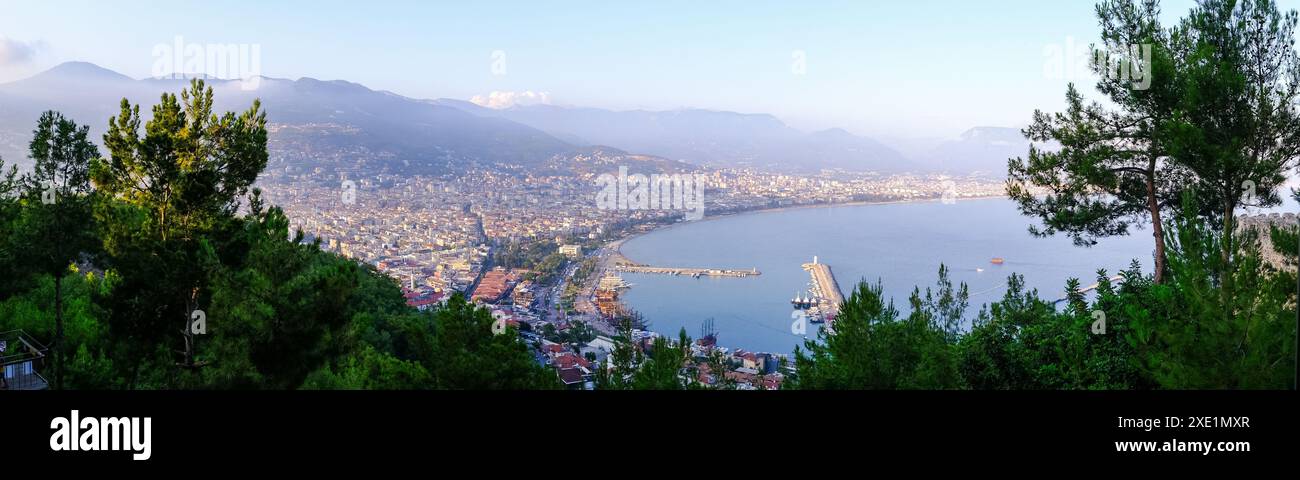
{"type": "Point", "coordinates": [705, 137]}
{"type": "Point", "coordinates": [331, 114]}
{"type": "Point", "coordinates": [978, 150]}
{"type": "Point", "coordinates": [326, 122]}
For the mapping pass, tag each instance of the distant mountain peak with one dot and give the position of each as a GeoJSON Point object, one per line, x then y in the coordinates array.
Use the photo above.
{"type": "Point", "coordinates": [82, 71]}
{"type": "Point", "coordinates": [343, 85]}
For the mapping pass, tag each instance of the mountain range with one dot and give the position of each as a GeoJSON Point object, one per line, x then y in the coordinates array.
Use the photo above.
{"type": "Point", "coordinates": [409, 135]}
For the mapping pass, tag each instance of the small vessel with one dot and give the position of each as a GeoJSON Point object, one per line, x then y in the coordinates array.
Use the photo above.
{"type": "Point", "coordinates": [815, 315]}
{"type": "Point", "coordinates": [997, 261]}
{"type": "Point", "coordinates": [800, 301]}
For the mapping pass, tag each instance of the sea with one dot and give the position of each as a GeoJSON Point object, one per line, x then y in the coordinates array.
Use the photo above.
{"type": "Point", "coordinates": [900, 245]}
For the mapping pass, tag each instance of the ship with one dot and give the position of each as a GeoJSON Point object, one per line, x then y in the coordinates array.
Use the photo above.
{"type": "Point", "coordinates": [802, 302]}
{"type": "Point", "coordinates": [997, 261]}
{"type": "Point", "coordinates": [613, 283]}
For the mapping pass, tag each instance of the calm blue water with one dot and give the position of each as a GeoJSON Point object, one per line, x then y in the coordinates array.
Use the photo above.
{"type": "Point", "coordinates": [901, 244]}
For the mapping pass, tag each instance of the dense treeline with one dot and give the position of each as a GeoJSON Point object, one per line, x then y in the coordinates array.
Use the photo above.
{"type": "Point", "coordinates": [159, 266]}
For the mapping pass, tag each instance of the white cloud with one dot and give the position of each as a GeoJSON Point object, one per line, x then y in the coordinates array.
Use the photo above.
{"type": "Point", "coordinates": [502, 100]}
{"type": "Point", "coordinates": [16, 52]}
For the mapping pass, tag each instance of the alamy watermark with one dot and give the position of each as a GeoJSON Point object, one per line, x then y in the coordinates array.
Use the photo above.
{"type": "Point", "coordinates": [1077, 61]}
{"type": "Point", "coordinates": [677, 191]}
{"type": "Point", "coordinates": [102, 434]}
{"type": "Point", "coordinates": [349, 194]}
{"type": "Point", "coordinates": [800, 324]}
{"type": "Point", "coordinates": [48, 194]}
{"type": "Point", "coordinates": [949, 195]}
{"type": "Point", "coordinates": [198, 322]}
{"type": "Point", "coordinates": [499, 63]}
{"type": "Point", "coordinates": [227, 61]}
{"type": "Point", "coordinates": [1098, 322]}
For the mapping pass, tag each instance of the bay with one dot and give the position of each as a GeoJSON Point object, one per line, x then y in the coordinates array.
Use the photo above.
{"type": "Point", "coordinates": [902, 245]}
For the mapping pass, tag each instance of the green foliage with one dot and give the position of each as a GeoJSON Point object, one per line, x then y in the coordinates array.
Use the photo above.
{"type": "Point", "coordinates": [1024, 343]}
{"type": "Point", "coordinates": [1112, 170]}
{"type": "Point", "coordinates": [10, 243]}
{"type": "Point", "coordinates": [168, 208]}
{"type": "Point", "coordinates": [54, 223]}
{"type": "Point", "coordinates": [1218, 324]}
{"type": "Point", "coordinates": [872, 347]}
{"type": "Point", "coordinates": [465, 354]}
{"type": "Point", "coordinates": [579, 333]}
{"type": "Point", "coordinates": [89, 364]}
{"type": "Point", "coordinates": [546, 269]}
{"type": "Point", "coordinates": [164, 237]}
{"type": "Point", "coordinates": [660, 366]}
{"type": "Point", "coordinates": [1236, 119]}
{"type": "Point", "coordinates": [274, 315]}
{"type": "Point", "coordinates": [622, 363]}
{"type": "Point", "coordinates": [527, 255]}
{"type": "Point", "coordinates": [371, 370]}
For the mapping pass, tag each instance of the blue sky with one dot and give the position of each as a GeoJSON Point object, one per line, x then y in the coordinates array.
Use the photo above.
{"type": "Point", "coordinates": [883, 68]}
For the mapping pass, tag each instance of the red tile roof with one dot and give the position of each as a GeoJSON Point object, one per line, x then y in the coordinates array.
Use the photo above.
{"type": "Point", "coordinates": [571, 376]}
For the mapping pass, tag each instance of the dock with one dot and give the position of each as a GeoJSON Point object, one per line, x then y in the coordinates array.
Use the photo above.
{"type": "Point", "coordinates": [825, 288]}
{"type": "Point", "coordinates": [1088, 288]}
{"type": "Point", "coordinates": [691, 272]}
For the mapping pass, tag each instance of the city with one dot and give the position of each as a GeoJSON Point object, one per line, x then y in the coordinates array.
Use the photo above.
{"type": "Point", "coordinates": [440, 236]}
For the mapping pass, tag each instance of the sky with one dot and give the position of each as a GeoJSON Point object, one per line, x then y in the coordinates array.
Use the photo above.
{"type": "Point", "coordinates": [895, 70]}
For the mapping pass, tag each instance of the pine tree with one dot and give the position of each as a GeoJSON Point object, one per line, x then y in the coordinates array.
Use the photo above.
{"type": "Point", "coordinates": [1238, 130]}
{"type": "Point", "coordinates": [171, 196]}
{"type": "Point", "coordinates": [57, 219]}
{"type": "Point", "coordinates": [1112, 171]}
{"type": "Point", "coordinates": [10, 270]}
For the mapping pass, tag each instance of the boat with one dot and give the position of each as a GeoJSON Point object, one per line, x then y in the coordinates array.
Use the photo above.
{"type": "Point", "coordinates": [801, 302]}
{"type": "Point", "coordinates": [997, 261]}
{"type": "Point", "coordinates": [815, 315]}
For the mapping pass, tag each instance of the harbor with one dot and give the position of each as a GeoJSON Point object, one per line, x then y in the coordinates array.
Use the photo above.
{"type": "Point", "coordinates": [755, 313]}
{"type": "Point", "coordinates": [824, 296]}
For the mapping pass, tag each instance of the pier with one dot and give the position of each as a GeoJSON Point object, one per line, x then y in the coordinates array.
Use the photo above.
{"type": "Point", "coordinates": [825, 288]}
{"type": "Point", "coordinates": [620, 263]}
{"type": "Point", "coordinates": [1089, 288]}
{"type": "Point", "coordinates": [692, 272]}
